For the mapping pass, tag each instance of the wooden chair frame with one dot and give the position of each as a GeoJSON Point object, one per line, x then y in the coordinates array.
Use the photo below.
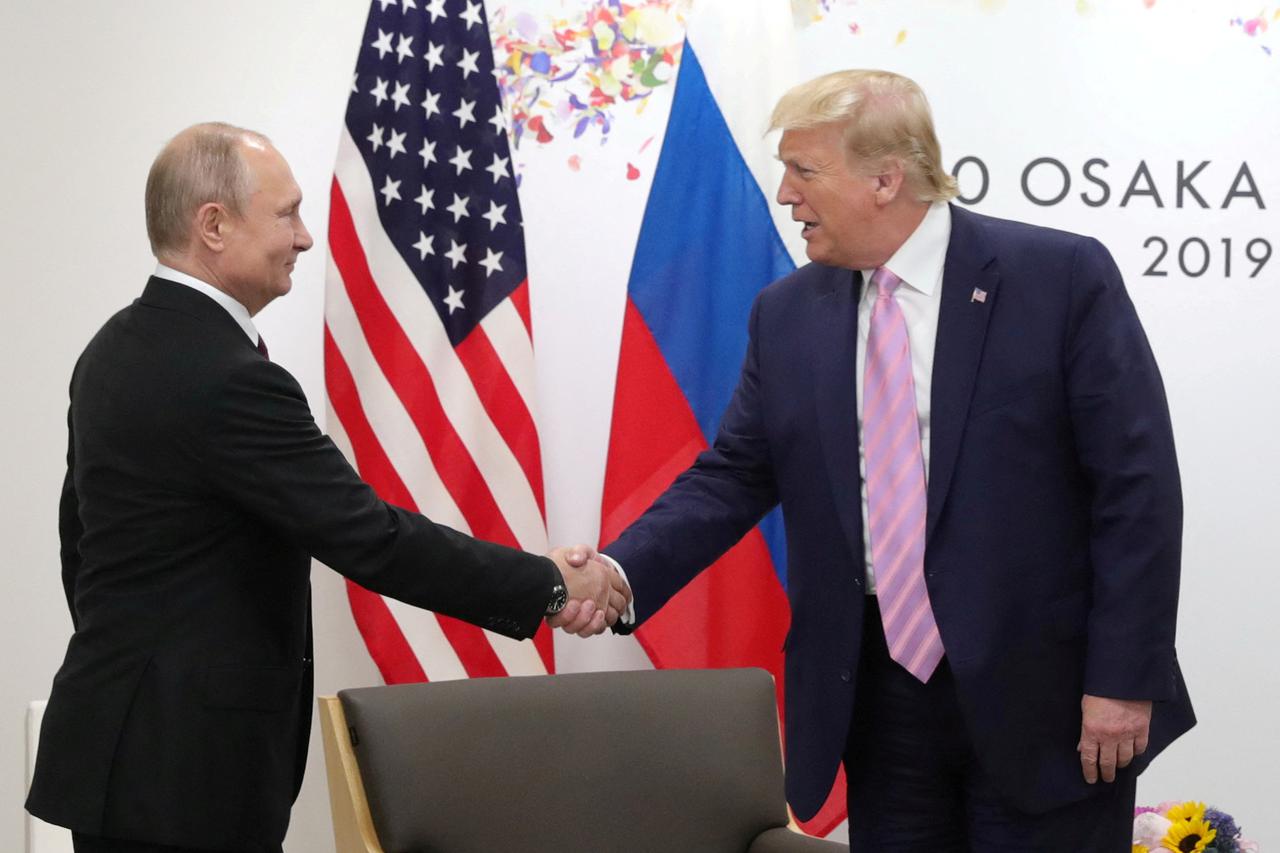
{"type": "Point", "coordinates": [353, 830]}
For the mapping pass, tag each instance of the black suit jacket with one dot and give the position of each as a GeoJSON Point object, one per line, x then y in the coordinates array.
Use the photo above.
{"type": "Point", "coordinates": [198, 488]}
{"type": "Point", "coordinates": [1053, 537]}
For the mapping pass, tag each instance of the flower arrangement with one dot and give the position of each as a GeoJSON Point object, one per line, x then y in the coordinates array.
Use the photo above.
{"type": "Point", "coordinates": [1187, 828]}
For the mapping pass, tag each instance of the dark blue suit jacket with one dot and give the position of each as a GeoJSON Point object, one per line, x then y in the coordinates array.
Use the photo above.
{"type": "Point", "coordinates": [1054, 504]}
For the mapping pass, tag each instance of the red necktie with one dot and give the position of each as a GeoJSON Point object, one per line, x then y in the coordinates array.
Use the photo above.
{"type": "Point", "coordinates": [262, 348]}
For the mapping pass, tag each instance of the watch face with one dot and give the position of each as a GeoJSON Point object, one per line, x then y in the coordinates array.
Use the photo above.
{"type": "Point", "coordinates": [559, 598]}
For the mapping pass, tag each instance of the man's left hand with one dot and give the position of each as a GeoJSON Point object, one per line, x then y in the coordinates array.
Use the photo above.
{"type": "Point", "coordinates": [1112, 732]}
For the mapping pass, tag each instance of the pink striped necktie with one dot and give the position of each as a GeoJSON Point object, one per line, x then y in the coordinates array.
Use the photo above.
{"type": "Point", "coordinates": [896, 486]}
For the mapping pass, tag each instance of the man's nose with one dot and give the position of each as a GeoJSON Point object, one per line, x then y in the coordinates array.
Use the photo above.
{"type": "Point", "coordinates": [302, 239]}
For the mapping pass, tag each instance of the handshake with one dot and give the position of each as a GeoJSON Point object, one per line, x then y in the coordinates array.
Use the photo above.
{"type": "Point", "coordinates": [598, 593]}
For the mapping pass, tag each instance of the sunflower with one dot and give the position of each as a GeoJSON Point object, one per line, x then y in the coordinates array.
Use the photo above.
{"type": "Point", "coordinates": [1189, 836]}
{"type": "Point", "coordinates": [1189, 810]}
{"type": "Point", "coordinates": [1141, 848]}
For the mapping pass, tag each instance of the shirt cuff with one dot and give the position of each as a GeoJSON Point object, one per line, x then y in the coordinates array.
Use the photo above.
{"type": "Point", "coordinates": [629, 616]}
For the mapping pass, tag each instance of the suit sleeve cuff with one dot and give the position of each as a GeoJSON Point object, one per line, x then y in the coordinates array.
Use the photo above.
{"type": "Point", "coordinates": [1137, 674]}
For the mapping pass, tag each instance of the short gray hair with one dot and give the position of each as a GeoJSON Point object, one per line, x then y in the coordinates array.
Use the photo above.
{"type": "Point", "coordinates": [885, 117]}
{"type": "Point", "coordinates": [201, 164]}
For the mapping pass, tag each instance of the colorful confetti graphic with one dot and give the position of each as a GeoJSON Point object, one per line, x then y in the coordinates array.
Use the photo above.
{"type": "Point", "coordinates": [809, 12]}
{"type": "Point", "coordinates": [1257, 27]}
{"type": "Point", "coordinates": [574, 74]}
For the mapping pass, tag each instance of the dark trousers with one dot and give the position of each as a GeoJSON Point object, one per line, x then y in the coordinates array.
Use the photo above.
{"type": "Point", "coordinates": [92, 844]}
{"type": "Point", "coordinates": [915, 783]}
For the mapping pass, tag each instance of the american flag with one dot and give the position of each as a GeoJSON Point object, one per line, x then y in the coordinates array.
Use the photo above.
{"type": "Point", "coordinates": [428, 338]}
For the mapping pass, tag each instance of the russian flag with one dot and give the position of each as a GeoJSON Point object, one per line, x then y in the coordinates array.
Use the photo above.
{"type": "Point", "coordinates": [708, 243]}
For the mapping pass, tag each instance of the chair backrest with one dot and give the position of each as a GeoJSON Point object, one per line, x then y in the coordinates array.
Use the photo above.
{"type": "Point", "coordinates": [621, 762]}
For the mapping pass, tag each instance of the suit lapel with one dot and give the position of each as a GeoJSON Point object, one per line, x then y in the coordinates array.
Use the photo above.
{"type": "Point", "coordinates": [834, 355]}
{"type": "Point", "coordinates": [962, 330]}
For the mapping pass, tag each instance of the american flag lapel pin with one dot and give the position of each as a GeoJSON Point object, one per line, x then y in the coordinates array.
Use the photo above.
{"type": "Point", "coordinates": [979, 295]}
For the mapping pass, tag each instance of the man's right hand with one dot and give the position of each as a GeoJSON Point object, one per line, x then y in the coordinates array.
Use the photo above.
{"type": "Point", "coordinates": [588, 589]}
{"type": "Point", "coordinates": [597, 594]}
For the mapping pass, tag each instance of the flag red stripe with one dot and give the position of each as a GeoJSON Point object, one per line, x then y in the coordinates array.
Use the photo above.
{"type": "Point", "coordinates": [520, 299]}
{"type": "Point", "coordinates": [382, 635]}
{"type": "Point", "coordinates": [472, 647]}
{"type": "Point", "coordinates": [404, 369]}
{"type": "Point", "coordinates": [545, 643]}
{"type": "Point", "coordinates": [387, 644]}
{"type": "Point", "coordinates": [832, 813]}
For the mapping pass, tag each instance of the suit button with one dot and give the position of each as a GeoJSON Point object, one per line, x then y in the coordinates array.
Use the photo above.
{"type": "Point", "coordinates": [846, 676]}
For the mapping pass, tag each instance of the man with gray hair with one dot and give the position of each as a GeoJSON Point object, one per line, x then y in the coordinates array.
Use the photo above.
{"type": "Point", "coordinates": [980, 492]}
{"type": "Point", "coordinates": [198, 489]}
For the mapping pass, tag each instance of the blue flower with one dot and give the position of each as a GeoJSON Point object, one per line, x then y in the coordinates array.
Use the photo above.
{"type": "Point", "coordinates": [1228, 832]}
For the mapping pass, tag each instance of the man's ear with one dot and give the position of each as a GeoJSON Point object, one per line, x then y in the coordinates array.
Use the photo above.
{"type": "Point", "coordinates": [890, 182]}
{"type": "Point", "coordinates": [212, 222]}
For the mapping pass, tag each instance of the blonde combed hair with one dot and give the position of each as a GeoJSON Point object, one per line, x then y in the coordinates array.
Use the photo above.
{"type": "Point", "coordinates": [885, 117]}
{"type": "Point", "coordinates": [201, 164]}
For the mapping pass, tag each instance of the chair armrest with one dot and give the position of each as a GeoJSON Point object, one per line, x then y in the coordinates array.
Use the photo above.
{"type": "Point", "coordinates": [783, 840]}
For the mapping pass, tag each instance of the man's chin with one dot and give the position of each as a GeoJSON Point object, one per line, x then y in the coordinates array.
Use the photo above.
{"type": "Point", "coordinates": [827, 257]}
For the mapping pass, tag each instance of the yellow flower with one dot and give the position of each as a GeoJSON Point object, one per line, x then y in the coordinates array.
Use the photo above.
{"type": "Point", "coordinates": [1141, 848]}
{"type": "Point", "coordinates": [1189, 836]}
{"type": "Point", "coordinates": [1186, 811]}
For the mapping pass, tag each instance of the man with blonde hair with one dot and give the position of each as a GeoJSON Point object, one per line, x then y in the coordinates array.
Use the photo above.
{"type": "Point", "coordinates": [198, 489]}
{"type": "Point", "coordinates": [980, 492]}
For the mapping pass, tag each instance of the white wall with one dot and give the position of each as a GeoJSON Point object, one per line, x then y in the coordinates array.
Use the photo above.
{"type": "Point", "coordinates": [91, 91]}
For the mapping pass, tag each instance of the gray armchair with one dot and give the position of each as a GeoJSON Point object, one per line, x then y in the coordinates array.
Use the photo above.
{"type": "Point", "coordinates": [624, 762]}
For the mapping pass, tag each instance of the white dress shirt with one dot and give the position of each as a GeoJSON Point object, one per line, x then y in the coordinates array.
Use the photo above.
{"type": "Point", "coordinates": [919, 263]}
{"type": "Point", "coordinates": [237, 311]}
